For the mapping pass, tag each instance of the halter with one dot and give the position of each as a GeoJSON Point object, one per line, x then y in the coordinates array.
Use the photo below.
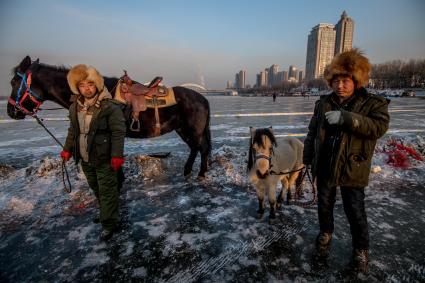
{"type": "Point", "coordinates": [28, 94]}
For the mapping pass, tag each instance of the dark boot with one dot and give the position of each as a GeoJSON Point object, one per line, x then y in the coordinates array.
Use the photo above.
{"type": "Point", "coordinates": [360, 260]}
{"type": "Point", "coordinates": [105, 235]}
{"type": "Point", "coordinates": [323, 244]}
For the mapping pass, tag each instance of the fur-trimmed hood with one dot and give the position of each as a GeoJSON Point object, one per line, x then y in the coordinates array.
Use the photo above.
{"type": "Point", "coordinates": [352, 63]}
{"type": "Point", "coordinates": [83, 72]}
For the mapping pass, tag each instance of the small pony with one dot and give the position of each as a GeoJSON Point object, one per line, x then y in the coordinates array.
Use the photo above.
{"type": "Point", "coordinates": [270, 162]}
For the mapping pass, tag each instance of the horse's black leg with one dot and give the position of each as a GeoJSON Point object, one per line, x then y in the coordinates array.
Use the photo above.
{"type": "Point", "coordinates": [189, 163]}
{"type": "Point", "coordinates": [205, 153]}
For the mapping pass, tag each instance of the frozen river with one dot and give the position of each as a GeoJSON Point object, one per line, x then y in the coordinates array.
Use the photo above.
{"type": "Point", "coordinates": [179, 230]}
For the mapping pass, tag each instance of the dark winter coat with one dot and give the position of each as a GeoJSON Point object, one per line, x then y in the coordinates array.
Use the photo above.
{"type": "Point", "coordinates": [366, 121]}
{"type": "Point", "coordinates": [106, 135]}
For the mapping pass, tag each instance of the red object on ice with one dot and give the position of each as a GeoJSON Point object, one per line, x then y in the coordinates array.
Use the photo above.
{"type": "Point", "coordinates": [410, 151]}
{"type": "Point", "coordinates": [398, 154]}
{"type": "Point", "coordinates": [397, 158]}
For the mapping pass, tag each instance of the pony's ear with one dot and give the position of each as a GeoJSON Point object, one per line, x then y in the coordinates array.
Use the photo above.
{"type": "Point", "coordinates": [37, 61]}
{"type": "Point", "coordinates": [252, 131]}
{"type": "Point", "coordinates": [25, 63]}
{"type": "Point", "coordinates": [271, 129]}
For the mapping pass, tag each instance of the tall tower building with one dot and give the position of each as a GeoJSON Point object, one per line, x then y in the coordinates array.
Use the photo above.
{"type": "Point", "coordinates": [242, 77]}
{"type": "Point", "coordinates": [344, 34]}
{"type": "Point", "coordinates": [320, 50]}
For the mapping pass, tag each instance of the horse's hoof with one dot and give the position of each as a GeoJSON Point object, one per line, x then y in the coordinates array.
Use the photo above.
{"type": "Point", "coordinates": [200, 178]}
{"type": "Point", "coordinates": [260, 214]}
{"type": "Point", "coordinates": [187, 175]}
{"type": "Point", "coordinates": [279, 205]}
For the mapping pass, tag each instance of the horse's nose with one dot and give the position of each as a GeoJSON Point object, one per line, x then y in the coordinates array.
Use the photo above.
{"type": "Point", "coordinates": [261, 175]}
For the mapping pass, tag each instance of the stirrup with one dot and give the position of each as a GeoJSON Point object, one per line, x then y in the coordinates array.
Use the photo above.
{"type": "Point", "coordinates": [135, 125]}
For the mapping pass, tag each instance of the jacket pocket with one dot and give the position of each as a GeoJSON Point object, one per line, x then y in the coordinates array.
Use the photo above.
{"type": "Point", "coordinates": [102, 144]}
{"type": "Point", "coordinates": [357, 170]}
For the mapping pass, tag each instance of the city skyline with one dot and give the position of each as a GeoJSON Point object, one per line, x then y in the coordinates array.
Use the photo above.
{"type": "Point", "coordinates": [196, 42]}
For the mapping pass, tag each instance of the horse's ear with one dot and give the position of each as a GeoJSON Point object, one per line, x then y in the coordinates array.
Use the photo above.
{"type": "Point", "coordinates": [25, 63]}
{"type": "Point", "coordinates": [37, 61]}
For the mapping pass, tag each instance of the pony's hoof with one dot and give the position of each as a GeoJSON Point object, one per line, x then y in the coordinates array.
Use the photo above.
{"type": "Point", "coordinates": [187, 176]}
{"type": "Point", "coordinates": [279, 205]}
{"type": "Point", "coordinates": [260, 215]}
{"type": "Point", "coordinates": [272, 220]}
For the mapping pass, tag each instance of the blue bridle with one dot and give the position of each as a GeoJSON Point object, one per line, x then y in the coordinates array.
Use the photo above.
{"type": "Point", "coordinates": [22, 95]}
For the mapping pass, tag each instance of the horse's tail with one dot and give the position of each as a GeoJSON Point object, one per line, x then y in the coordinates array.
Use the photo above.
{"type": "Point", "coordinates": [207, 134]}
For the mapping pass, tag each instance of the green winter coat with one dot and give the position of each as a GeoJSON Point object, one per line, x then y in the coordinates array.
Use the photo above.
{"type": "Point", "coordinates": [106, 134]}
{"type": "Point", "coordinates": [367, 121]}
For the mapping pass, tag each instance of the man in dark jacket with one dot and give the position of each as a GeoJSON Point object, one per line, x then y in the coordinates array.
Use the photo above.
{"type": "Point", "coordinates": [341, 139]}
{"type": "Point", "coordinates": [96, 137]}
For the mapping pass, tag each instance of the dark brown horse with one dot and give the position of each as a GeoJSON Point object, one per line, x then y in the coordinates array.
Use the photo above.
{"type": "Point", "coordinates": [190, 117]}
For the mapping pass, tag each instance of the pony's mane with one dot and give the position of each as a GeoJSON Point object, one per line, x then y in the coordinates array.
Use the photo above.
{"type": "Point", "coordinates": [258, 139]}
{"type": "Point", "coordinates": [258, 136]}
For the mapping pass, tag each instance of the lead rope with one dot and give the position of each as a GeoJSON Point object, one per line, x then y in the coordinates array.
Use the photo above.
{"type": "Point", "coordinates": [64, 169]}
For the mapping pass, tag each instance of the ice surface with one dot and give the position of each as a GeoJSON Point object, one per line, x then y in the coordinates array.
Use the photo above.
{"type": "Point", "coordinates": [177, 229]}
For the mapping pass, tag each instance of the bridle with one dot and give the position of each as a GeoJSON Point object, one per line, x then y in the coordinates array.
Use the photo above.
{"type": "Point", "coordinates": [26, 94]}
{"type": "Point", "coordinates": [29, 95]}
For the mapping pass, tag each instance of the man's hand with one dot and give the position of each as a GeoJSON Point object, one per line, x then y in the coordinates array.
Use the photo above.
{"type": "Point", "coordinates": [334, 117]}
{"type": "Point", "coordinates": [116, 163]}
{"type": "Point", "coordinates": [66, 155]}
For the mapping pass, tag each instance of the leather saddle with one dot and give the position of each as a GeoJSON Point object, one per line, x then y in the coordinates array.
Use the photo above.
{"type": "Point", "coordinates": [141, 97]}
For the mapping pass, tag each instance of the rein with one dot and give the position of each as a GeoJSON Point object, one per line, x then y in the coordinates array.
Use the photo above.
{"type": "Point", "coordinates": [64, 169]}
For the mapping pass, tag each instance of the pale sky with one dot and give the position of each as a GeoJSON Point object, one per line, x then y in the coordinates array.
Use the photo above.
{"type": "Point", "coordinates": [197, 41]}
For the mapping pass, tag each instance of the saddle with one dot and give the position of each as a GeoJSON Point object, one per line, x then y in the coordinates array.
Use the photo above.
{"type": "Point", "coordinates": [141, 97]}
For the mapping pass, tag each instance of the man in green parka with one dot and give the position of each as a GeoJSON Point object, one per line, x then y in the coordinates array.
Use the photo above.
{"type": "Point", "coordinates": [339, 146]}
{"type": "Point", "coordinates": [96, 137]}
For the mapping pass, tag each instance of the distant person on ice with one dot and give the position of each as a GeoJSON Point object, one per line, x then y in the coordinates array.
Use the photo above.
{"type": "Point", "coordinates": [339, 146]}
{"type": "Point", "coordinates": [274, 96]}
{"type": "Point", "coordinates": [96, 137]}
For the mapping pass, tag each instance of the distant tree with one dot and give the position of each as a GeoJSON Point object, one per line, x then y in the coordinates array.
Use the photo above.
{"type": "Point", "coordinates": [398, 74]}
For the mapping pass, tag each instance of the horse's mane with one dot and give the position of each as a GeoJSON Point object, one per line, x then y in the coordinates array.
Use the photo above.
{"type": "Point", "coordinates": [61, 68]}
{"type": "Point", "coordinates": [258, 139]}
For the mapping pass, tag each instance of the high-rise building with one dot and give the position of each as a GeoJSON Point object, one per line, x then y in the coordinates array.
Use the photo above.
{"type": "Point", "coordinates": [263, 79]}
{"type": "Point", "coordinates": [285, 76]}
{"type": "Point", "coordinates": [292, 72]}
{"type": "Point", "coordinates": [241, 77]}
{"type": "Point", "coordinates": [325, 41]}
{"type": "Point", "coordinates": [229, 84]}
{"type": "Point", "coordinates": [236, 80]}
{"type": "Point", "coordinates": [279, 78]}
{"type": "Point", "coordinates": [320, 50]}
{"type": "Point", "coordinates": [272, 74]}
{"type": "Point", "coordinates": [344, 34]}
{"type": "Point", "coordinates": [300, 76]}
